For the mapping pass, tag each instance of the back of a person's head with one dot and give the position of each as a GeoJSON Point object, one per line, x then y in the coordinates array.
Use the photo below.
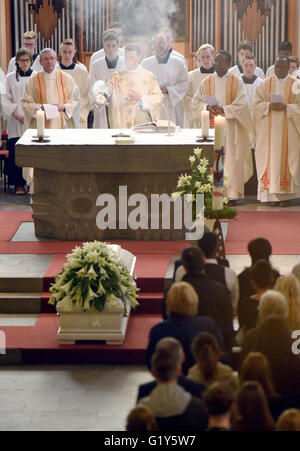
{"type": "Point", "coordinates": [256, 367]}
{"type": "Point", "coordinates": [209, 244]}
{"type": "Point", "coordinates": [261, 274]}
{"type": "Point", "coordinates": [206, 352]}
{"type": "Point", "coordinates": [141, 419]}
{"type": "Point", "coordinates": [259, 249]}
{"type": "Point", "coordinates": [289, 286]}
{"type": "Point", "coordinates": [170, 345]}
{"type": "Point", "coordinates": [182, 299]}
{"type": "Point", "coordinates": [252, 411]}
{"type": "Point", "coordinates": [193, 259]}
{"type": "Point", "coordinates": [273, 303]}
{"type": "Point", "coordinates": [218, 399]}
{"type": "Point", "coordinates": [289, 421]}
{"type": "Point", "coordinates": [165, 365]}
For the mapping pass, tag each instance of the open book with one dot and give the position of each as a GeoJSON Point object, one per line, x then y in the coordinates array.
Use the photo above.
{"type": "Point", "coordinates": [160, 126]}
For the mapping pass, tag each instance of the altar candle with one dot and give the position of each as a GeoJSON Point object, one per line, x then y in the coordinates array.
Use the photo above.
{"type": "Point", "coordinates": [205, 122]}
{"type": "Point", "coordinates": [40, 119]}
{"type": "Point", "coordinates": [219, 132]}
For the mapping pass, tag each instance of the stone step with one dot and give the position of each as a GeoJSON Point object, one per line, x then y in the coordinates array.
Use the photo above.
{"type": "Point", "coordinates": [20, 303]}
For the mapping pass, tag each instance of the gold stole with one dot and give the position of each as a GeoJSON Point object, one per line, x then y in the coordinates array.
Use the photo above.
{"type": "Point", "coordinates": [232, 85]}
{"type": "Point", "coordinates": [285, 173]}
{"type": "Point", "coordinates": [40, 91]}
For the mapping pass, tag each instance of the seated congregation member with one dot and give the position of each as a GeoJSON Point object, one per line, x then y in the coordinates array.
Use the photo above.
{"type": "Point", "coordinates": [172, 345]}
{"type": "Point", "coordinates": [271, 303]}
{"type": "Point", "coordinates": [219, 273]}
{"type": "Point", "coordinates": [251, 409]}
{"type": "Point", "coordinates": [208, 369]}
{"type": "Point", "coordinates": [285, 49]}
{"type": "Point", "coordinates": [289, 286]}
{"type": "Point", "coordinates": [101, 70]}
{"type": "Point", "coordinates": [15, 83]}
{"type": "Point", "coordinates": [29, 43]}
{"type": "Point", "coordinates": [257, 368]}
{"type": "Point", "coordinates": [245, 49]}
{"type": "Point", "coordinates": [205, 66]}
{"type": "Point", "coordinates": [182, 323]}
{"type": "Point", "coordinates": [214, 298]}
{"type": "Point", "coordinates": [219, 401]}
{"type": "Point", "coordinates": [70, 65]}
{"type": "Point", "coordinates": [172, 77]}
{"type": "Point", "coordinates": [229, 92]}
{"type": "Point", "coordinates": [174, 408]}
{"type": "Point", "coordinates": [141, 419]}
{"type": "Point", "coordinates": [133, 94]}
{"type": "Point", "coordinates": [259, 249]}
{"type": "Point", "coordinates": [277, 137]}
{"type": "Point", "coordinates": [262, 281]}
{"type": "Point", "coordinates": [289, 421]}
{"type": "Point", "coordinates": [116, 28]}
{"type": "Point", "coordinates": [55, 87]}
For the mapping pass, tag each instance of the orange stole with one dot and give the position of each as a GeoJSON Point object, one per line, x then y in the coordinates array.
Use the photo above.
{"type": "Point", "coordinates": [285, 173]}
{"type": "Point", "coordinates": [232, 85]}
{"type": "Point", "coordinates": [40, 91]}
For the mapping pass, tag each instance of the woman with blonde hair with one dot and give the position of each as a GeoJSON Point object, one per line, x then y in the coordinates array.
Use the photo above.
{"type": "Point", "coordinates": [182, 323]}
{"type": "Point", "coordinates": [289, 286]}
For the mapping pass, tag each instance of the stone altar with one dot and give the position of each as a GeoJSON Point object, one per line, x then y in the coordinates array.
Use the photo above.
{"type": "Point", "coordinates": [76, 166]}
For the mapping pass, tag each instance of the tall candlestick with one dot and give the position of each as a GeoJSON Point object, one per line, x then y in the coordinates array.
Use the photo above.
{"type": "Point", "coordinates": [40, 120]}
{"type": "Point", "coordinates": [219, 154]}
{"type": "Point", "coordinates": [205, 122]}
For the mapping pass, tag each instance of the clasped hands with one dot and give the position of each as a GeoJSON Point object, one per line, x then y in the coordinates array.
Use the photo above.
{"type": "Point", "coordinates": [216, 110]}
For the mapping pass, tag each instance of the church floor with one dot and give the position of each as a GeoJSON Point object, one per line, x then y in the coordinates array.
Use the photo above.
{"type": "Point", "coordinates": [72, 397]}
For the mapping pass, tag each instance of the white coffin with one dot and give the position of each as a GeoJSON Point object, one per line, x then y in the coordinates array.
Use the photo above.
{"type": "Point", "coordinates": [109, 326]}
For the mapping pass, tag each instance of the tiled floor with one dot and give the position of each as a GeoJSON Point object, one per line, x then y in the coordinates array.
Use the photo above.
{"type": "Point", "coordinates": [80, 397]}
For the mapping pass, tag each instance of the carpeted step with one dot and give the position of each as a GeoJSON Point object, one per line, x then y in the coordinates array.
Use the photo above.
{"type": "Point", "coordinates": [20, 303]}
{"type": "Point", "coordinates": [150, 304]}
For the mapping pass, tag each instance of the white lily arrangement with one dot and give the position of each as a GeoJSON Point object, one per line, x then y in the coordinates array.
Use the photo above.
{"type": "Point", "coordinates": [93, 279]}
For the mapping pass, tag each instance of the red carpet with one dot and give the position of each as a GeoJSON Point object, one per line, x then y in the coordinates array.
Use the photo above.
{"type": "Point", "coordinates": [281, 228]}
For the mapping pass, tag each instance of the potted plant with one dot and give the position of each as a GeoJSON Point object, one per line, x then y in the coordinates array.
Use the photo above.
{"type": "Point", "coordinates": [94, 293]}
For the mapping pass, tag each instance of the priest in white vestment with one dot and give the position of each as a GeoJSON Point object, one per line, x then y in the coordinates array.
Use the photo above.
{"type": "Point", "coordinates": [29, 43]}
{"type": "Point", "coordinates": [277, 123]}
{"type": "Point", "coordinates": [245, 49]}
{"type": "Point", "coordinates": [172, 77]}
{"type": "Point", "coordinates": [54, 87]}
{"type": "Point", "coordinates": [285, 49]}
{"type": "Point", "coordinates": [117, 29]}
{"type": "Point", "coordinates": [133, 95]}
{"type": "Point", "coordinates": [80, 75]}
{"type": "Point", "coordinates": [232, 103]}
{"type": "Point", "coordinates": [205, 62]}
{"type": "Point", "coordinates": [101, 70]}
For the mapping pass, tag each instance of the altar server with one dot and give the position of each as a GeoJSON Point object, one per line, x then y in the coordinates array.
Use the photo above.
{"type": "Point", "coordinates": [133, 94]}
{"type": "Point", "coordinates": [205, 62]}
{"type": "Point", "coordinates": [15, 83]}
{"type": "Point", "coordinates": [29, 43]}
{"type": "Point", "coordinates": [232, 103]}
{"type": "Point", "coordinates": [285, 49]}
{"type": "Point", "coordinates": [80, 74]}
{"type": "Point", "coordinates": [116, 28]}
{"type": "Point", "coordinates": [278, 136]}
{"type": "Point", "coordinates": [251, 81]}
{"type": "Point", "coordinates": [171, 35]}
{"type": "Point", "coordinates": [102, 70]}
{"type": "Point", "coordinates": [245, 49]}
{"type": "Point", "coordinates": [172, 76]}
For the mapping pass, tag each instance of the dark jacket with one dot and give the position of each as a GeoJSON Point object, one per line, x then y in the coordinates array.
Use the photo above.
{"type": "Point", "coordinates": [246, 288]}
{"type": "Point", "coordinates": [214, 302]}
{"type": "Point", "coordinates": [184, 329]}
{"type": "Point", "coordinates": [196, 389]}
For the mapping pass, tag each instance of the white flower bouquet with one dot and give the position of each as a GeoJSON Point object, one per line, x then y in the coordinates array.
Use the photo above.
{"type": "Point", "coordinates": [94, 279]}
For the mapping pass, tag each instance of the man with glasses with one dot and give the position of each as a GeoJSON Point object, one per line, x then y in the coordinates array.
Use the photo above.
{"type": "Point", "coordinates": [29, 43]}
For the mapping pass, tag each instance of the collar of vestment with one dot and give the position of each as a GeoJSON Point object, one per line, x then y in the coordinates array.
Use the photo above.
{"type": "Point", "coordinates": [25, 74]}
{"type": "Point", "coordinates": [132, 71]}
{"type": "Point", "coordinates": [112, 64]}
{"type": "Point", "coordinates": [240, 68]}
{"type": "Point", "coordinates": [249, 81]}
{"type": "Point", "coordinates": [207, 71]}
{"type": "Point", "coordinates": [165, 59]}
{"type": "Point", "coordinates": [281, 80]}
{"type": "Point", "coordinates": [34, 56]}
{"type": "Point", "coordinates": [51, 76]}
{"type": "Point", "coordinates": [63, 67]}
{"type": "Point", "coordinates": [224, 76]}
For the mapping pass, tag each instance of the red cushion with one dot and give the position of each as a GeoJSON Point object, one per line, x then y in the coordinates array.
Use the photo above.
{"type": "Point", "coordinates": [4, 153]}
